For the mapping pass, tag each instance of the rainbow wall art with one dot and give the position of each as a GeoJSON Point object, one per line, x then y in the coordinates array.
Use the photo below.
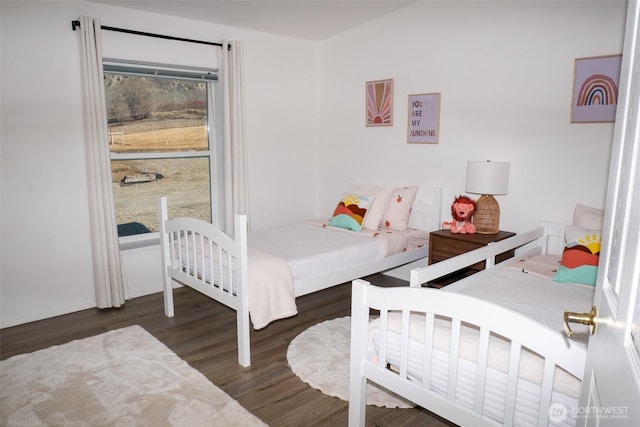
{"type": "Point", "coordinates": [598, 89]}
{"type": "Point", "coordinates": [595, 89]}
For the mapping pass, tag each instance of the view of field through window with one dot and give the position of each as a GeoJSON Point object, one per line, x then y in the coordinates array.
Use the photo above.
{"type": "Point", "coordinates": [167, 117]}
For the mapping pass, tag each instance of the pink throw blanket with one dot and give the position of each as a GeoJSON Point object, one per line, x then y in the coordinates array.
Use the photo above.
{"type": "Point", "coordinates": [271, 294]}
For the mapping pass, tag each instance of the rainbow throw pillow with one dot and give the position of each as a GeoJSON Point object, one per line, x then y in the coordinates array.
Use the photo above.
{"type": "Point", "coordinates": [579, 263]}
{"type": "Point", "coordinates": [351, 211]}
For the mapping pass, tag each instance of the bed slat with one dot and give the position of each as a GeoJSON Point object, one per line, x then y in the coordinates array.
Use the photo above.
{"type": "Point", "coordinates": [428, 350]}
{"type": "Point", "coordinates": [512, 383]}
{"type": "Point", "coordinates": [404, 346]}
{"type": "Point", "coordinates": [547, 391]}
{"type": "Point", "coordinates": [384, 320]}
{"type": "Point", "coordinates": [481, 374]}
{"type": "Point", "coordinates": [454, 351]}
{"type": "Point", "coordinates": [212, 265]}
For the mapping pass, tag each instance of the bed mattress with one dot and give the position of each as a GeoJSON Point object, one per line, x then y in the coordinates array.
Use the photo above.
{"type": "Point", "coordinates": [312, 249]}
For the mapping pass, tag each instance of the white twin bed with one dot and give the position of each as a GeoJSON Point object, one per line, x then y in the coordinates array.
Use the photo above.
{"type": "Point", "coordinates": [259, 274]}
{"type": "Point", "coordinates": [487, 350]}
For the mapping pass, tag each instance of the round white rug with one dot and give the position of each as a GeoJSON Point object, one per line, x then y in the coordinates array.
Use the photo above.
{"type": "Point", "coordinates": [319, 356]}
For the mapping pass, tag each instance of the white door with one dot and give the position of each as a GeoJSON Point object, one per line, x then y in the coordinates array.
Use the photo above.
{"type": "Point", "coordinates": [611, 386]}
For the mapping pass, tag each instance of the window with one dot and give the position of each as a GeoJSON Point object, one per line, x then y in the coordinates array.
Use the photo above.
{"type": "Point", "coordinates": [162, 134]}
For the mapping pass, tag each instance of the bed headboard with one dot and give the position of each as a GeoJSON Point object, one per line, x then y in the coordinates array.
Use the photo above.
{"type": "Point", "coordinates": [553, 237]}
{"type": "Point", "coordinates": [427, 216]}
{"type": "Point", "coordinates": [551, 242]}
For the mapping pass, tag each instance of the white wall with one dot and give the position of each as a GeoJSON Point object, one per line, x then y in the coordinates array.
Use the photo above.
{"type": "Point", "coordinates": [45, 265]}
{"type": "Point", "coordinates": [505, 72]}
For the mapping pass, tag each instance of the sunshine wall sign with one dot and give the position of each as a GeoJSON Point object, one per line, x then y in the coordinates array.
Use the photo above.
{"type": "Point", "coordinates": [423, 123]}
{"type": "Point", "coordinates": [379, 99]}
{"type": "Point", "coordinates": [595, 89]}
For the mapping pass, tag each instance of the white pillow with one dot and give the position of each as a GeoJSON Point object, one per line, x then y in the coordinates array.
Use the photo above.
{"type": "Point", "coordinates": [396, 217]}
{"type": "Point", "coordinates": [379, 206]}
{"type": "Point", "coordinates": [588, 217]}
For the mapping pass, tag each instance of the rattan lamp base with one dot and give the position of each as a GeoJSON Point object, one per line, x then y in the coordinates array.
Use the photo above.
{"type": "Point", "coordinates": [486, 217]}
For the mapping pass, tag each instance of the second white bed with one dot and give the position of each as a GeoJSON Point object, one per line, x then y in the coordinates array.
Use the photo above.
{"type": "Point", "coordinates": [488, 350]}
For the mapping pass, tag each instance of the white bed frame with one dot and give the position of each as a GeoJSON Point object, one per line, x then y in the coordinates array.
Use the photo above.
{"type": "Point", "coordinates": [554, 348]}
{"type": "Point", "coordinates": [207, 238]}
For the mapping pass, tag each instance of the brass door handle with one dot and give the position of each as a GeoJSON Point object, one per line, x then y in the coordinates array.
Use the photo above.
{"type": "Point", "coordinates": [589, 319]}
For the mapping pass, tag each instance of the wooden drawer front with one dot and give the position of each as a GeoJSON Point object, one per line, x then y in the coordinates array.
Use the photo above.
{"type": "Point", "coordinates": [442, 248]}
{"type": "Point", "coordinates": [504, 256]}
{"type": "Point", "coordinates": [439, 253]}
{"type": "Point", "coordinates": [445, 245]}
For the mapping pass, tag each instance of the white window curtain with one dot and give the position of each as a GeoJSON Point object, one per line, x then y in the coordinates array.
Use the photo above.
{"type": "Point", "coordinates": [236, 185]}
{"type": "Point", "coordinates": [107, 269]}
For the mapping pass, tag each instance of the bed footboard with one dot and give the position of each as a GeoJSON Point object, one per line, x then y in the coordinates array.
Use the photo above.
{"type": "Point", "coordinates": [455, 372]}
{"type": "Point", "coordinates": [197, 254]}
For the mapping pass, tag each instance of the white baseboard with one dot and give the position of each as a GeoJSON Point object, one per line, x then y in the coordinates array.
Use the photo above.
{"type": "Point", "coordinates": [46, 314]}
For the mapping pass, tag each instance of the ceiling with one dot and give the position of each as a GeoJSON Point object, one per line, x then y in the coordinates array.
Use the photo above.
{"type": "Point", "coordinates": [313, 20]}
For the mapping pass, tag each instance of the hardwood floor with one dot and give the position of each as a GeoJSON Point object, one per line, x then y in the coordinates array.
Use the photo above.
{"type": "Point", "coordinates": [203, 333]}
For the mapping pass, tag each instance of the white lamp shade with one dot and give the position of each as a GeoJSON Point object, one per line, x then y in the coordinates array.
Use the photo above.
{"type": "Point", "coordinates": [487, 177]}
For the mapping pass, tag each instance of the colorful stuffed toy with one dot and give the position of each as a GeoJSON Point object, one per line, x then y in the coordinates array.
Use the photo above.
{"type": "Point", "coordinates": [462, 210]}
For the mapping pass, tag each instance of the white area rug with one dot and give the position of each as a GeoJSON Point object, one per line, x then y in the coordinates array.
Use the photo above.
{"type": "Point", "coordinates": [320, 357]}
{"type": "Point", "coordinates": [120, 378]}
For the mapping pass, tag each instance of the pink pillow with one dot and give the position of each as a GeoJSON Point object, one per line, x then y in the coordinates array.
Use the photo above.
{"type": "Point", "coordinates": [397, 214]}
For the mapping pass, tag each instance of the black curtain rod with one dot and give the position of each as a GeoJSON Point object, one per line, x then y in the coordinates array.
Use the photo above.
{"type": "Point", "coordinates": [76, 24]}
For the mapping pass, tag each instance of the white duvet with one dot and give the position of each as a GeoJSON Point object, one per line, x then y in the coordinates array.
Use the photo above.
{"type": "Point", "coordinates": [278, 257]}
{"type": "Point", "coordinates": [313, 249]}
{"type": "Point", "coordinates": [540, 299]}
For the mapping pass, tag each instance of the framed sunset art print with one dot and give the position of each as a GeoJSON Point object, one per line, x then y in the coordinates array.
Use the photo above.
{"type": "Point", "coordinates": [379, 99]}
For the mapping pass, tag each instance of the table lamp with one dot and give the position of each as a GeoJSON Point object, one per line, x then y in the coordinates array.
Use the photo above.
{"type": "Point", "coordinates": [487, 179]}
